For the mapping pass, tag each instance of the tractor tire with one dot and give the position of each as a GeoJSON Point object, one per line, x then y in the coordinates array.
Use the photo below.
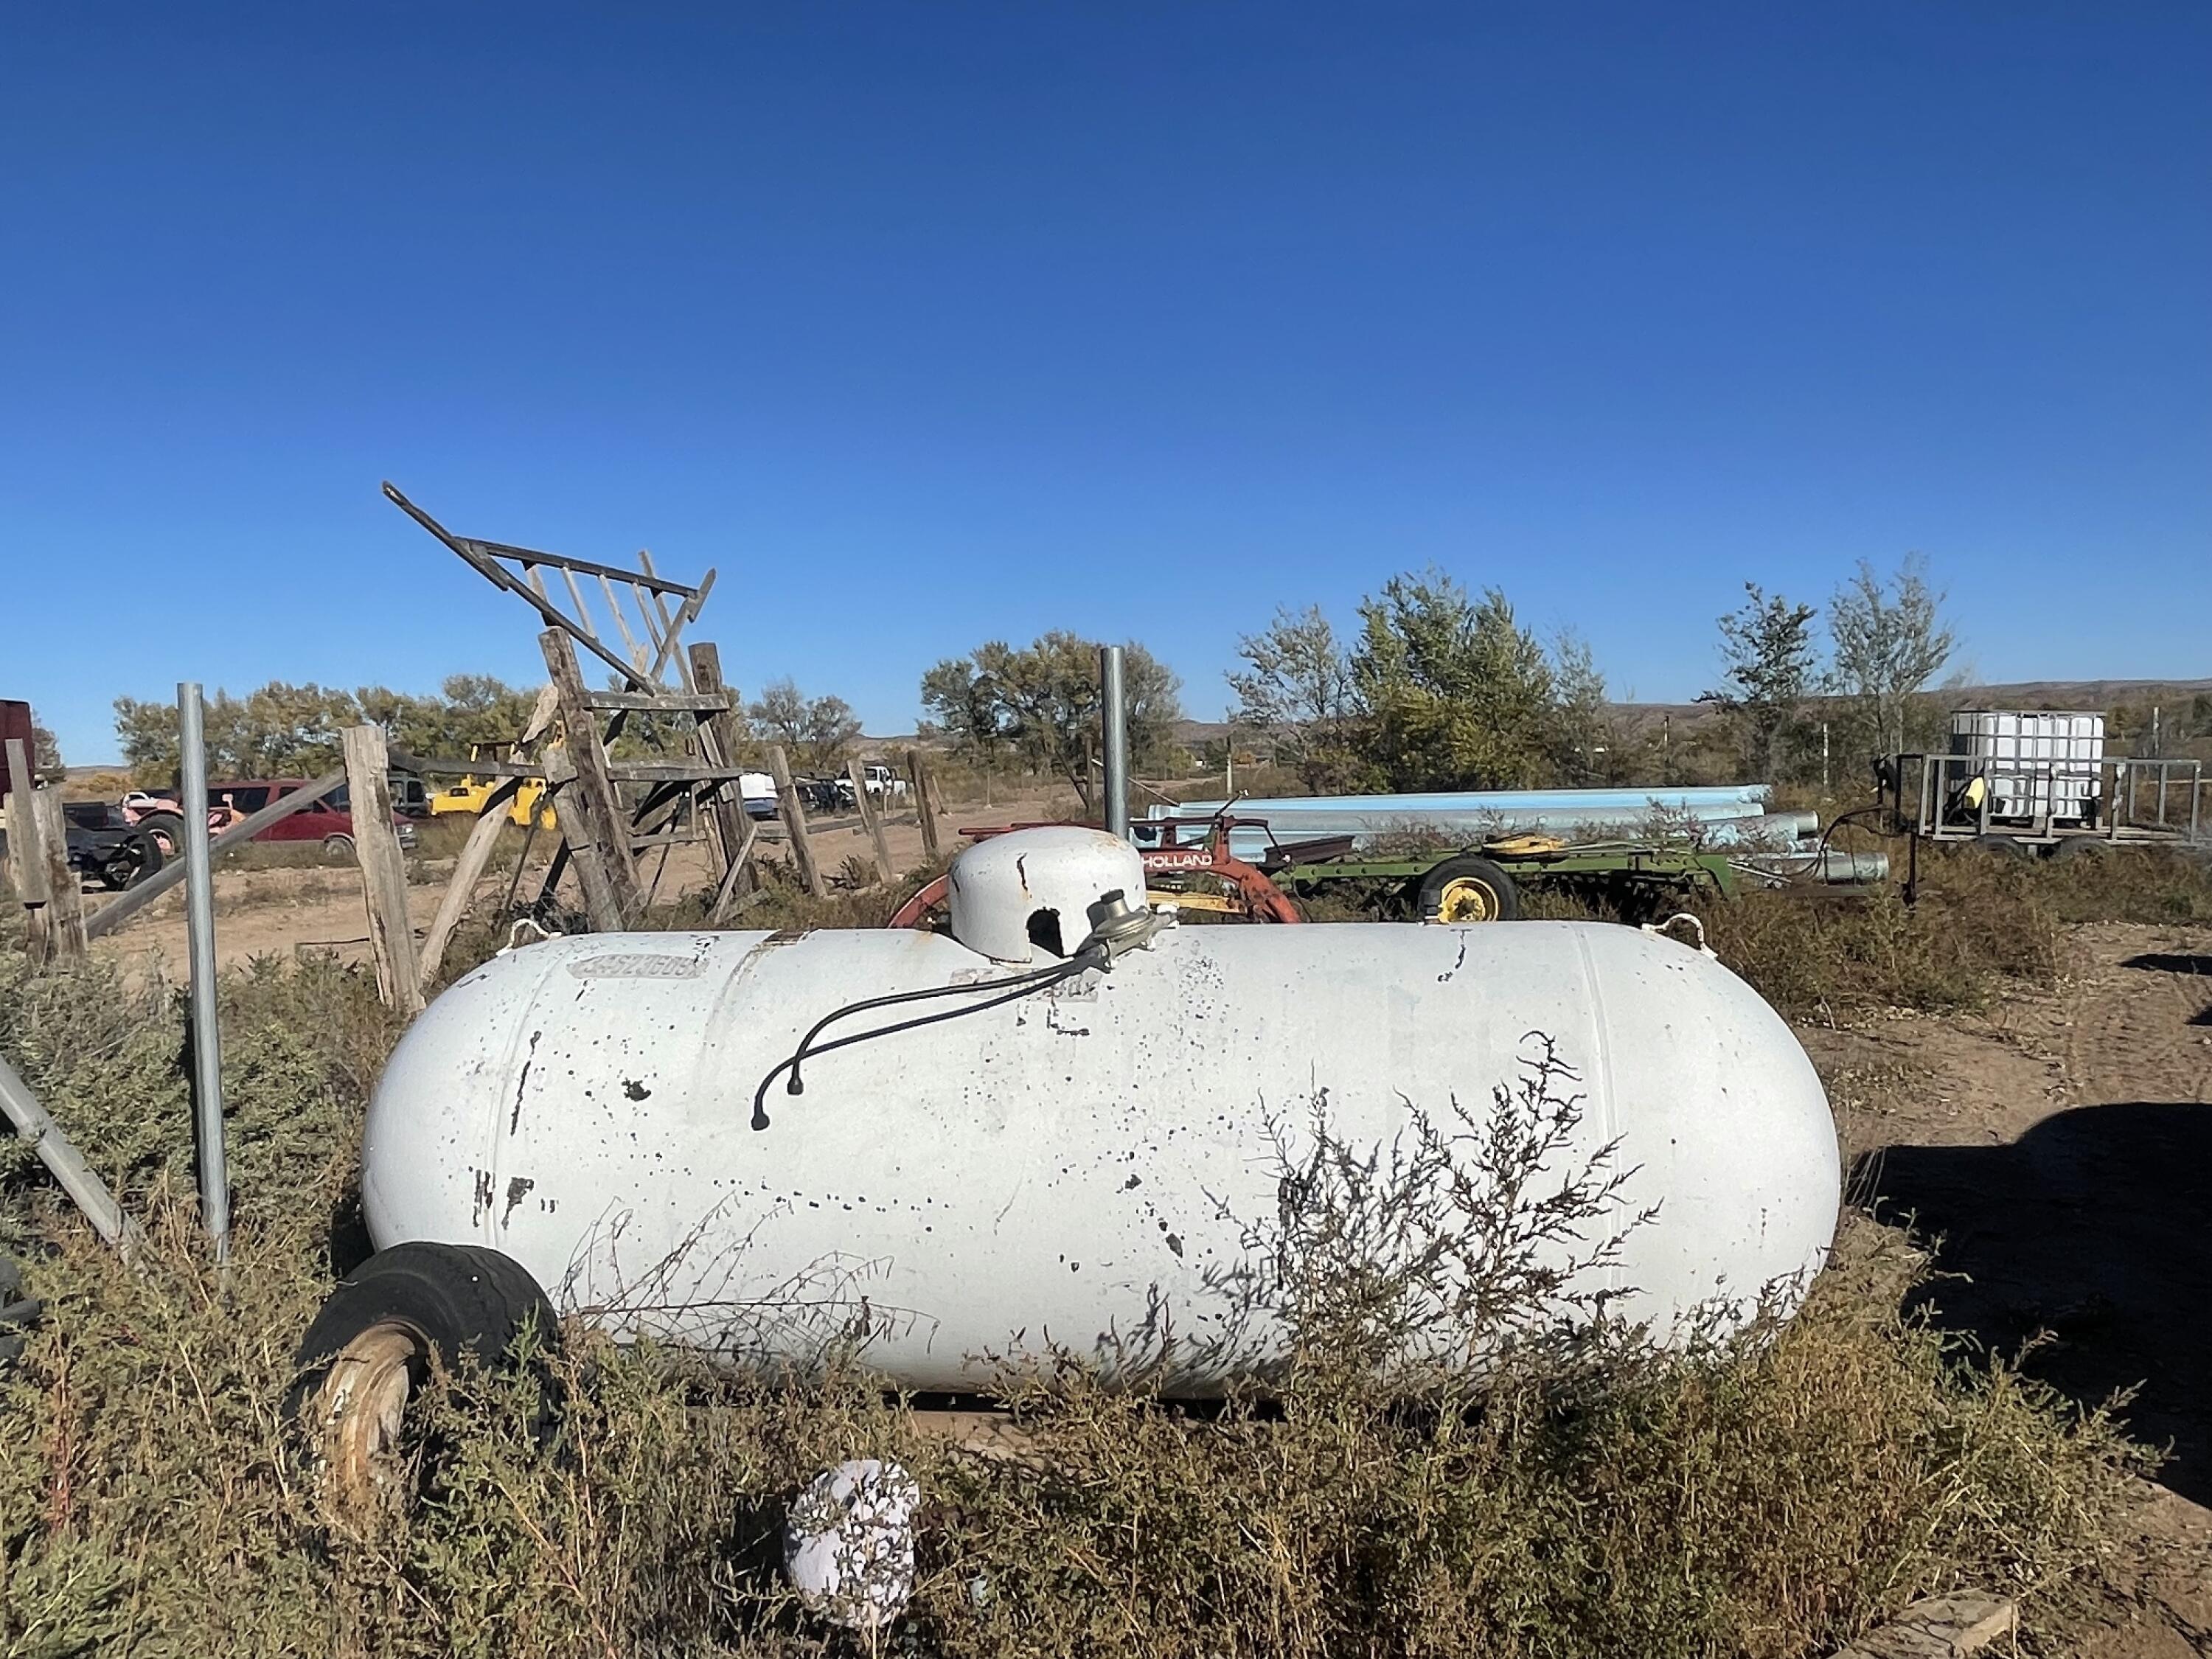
{"type": "Point", "coordinates": [373, 1342]}
{"type": "Point", "coordinates": [165, 830]}
{"type": "Point", "coordinates": [1468, 889]}
{"type": "Point", "coordinates": [134, 860]}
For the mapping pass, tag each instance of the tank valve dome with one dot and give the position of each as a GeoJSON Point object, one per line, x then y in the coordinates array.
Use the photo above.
{"type": "Point", "coordinates": [1033, 889]}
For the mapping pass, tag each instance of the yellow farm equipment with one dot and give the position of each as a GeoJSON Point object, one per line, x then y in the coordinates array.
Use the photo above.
{"type": "Point", "coordinates": [469, 794]}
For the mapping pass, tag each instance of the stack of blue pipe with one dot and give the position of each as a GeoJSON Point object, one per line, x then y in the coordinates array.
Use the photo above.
{"type": "Point", "coordinates": [1733, 815]}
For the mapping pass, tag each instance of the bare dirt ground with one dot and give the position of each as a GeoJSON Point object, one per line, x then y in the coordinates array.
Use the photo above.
{"type": "Point", "coordinates": [2060, 1149]}
{"type": "Point", "coordinates": [319, 907]}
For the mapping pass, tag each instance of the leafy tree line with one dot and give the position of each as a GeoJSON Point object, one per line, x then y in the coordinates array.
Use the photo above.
{"type": "Point", "coordinates": [1440, 688]}
{"type": "Point", "coordinates": [282, 730]}
{"type": "Point", "coordinates": [1886, 638]}
{"type": "Point", "coordinates": [1437, 686]}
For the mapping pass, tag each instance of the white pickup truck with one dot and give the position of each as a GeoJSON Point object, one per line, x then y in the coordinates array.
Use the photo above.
{"type": "Point", "coordinates": [883, 785]}
{"type": "Point", "coordinates": [757, 791]}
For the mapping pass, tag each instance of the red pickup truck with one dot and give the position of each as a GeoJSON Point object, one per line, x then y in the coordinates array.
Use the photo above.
{"type": "Point", "coordinates": [329, 820]}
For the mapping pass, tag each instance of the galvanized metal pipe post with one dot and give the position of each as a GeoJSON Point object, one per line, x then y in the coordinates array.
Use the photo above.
{"type": "Point", "coordinates": [199, 926]}
{"type": "Point", "coordinates": [1114, 700]}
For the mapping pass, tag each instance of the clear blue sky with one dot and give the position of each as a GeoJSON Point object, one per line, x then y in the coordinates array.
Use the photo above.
{"type": "Point", "coordinates": [926, 323]}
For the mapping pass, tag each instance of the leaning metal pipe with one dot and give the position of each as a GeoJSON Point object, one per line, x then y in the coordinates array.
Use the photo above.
{"type": "Point", "coordinates": [199, 927]}
{"type": "Point", "coordinates": [60, 1156]}
{"type": "Point", "coordinates": [1114, 701]}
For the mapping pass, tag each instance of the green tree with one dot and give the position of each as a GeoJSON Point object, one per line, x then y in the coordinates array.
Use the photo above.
{"type": "Point", "coordinates": [281, 730]}
{"type": "Point", "coordinates": [818, 732]}
{"type": "Point", "coordinates": [1456, 694]}
{"type": "Point", "coordinates": [1042, 702]}
{"type": "Point", "coordinates": [1767, 669]}
{"type": "Point", "coordinates": [467, 710]}
{"type": "Point", "coordinates": [45, 749]}
{"type": "Point", "coordinates": [1580, 740]}
{"type": "Point", "coordinates": [966, 709]}
{"type": "Point", "coordinates": [1296, 693]}
{"type": "Point", "coordinates": [1890, 639]}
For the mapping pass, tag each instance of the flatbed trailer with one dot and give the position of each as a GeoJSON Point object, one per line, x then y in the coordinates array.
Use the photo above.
{"type": "Point", "coordinates": [1465, 886]}
{"type": "Point", "coordinates": [2113, 802]}
{"type": "Point", "coordinates": [1481, 883]}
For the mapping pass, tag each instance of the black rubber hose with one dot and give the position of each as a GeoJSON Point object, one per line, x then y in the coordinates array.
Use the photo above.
{"type": "Point", "coordinates": [1009, 991]}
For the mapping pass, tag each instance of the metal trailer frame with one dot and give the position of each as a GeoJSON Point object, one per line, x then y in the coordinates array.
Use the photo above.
{"type": "Point", "coordinates": [1290, 866]}
{"type": "Point", "coordinates": [1922, 795]}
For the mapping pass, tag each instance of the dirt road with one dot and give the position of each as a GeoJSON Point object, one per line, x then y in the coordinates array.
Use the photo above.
{"type": "Point", "coordinates": [2061, 1147]}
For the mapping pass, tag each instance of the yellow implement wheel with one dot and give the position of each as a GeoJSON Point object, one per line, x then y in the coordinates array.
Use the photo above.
{"type": "Point", "coordinates": [1465, 890]}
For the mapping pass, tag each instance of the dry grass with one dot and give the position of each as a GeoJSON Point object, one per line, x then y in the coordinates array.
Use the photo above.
{"type": "Point", "coordinates": [1770, 1497]}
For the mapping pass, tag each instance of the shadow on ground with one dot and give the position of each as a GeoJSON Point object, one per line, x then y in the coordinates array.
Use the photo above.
{"type": "Point", "coordinates": [2167, 962]}
{"type": "Point", "coordinates": [2096, 1227]}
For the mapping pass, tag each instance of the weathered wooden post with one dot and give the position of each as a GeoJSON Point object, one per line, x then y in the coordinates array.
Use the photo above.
{"type": "Point", "coordinates": [383, 869]}
{"type": "Point", "coordinates": [871, 819]}
{"type": "Point", "coordinates": [601, 908]}
{"type": "Point", "coordinates": [794, 821]}
{"type": "Point", "coordinates": [720, 742]}
{"type": "Point", "coordinates": [925, 807]}
{"type": "Point", "coordinates": [65, 934]}
{"type": "Point", "coordinates": [27, 860]}
{"type": "Point", "coordinates": [593, 805]}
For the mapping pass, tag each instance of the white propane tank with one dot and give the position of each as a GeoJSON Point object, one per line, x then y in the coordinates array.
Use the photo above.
{"type": "Point", "coordinates": [1071, 1165]}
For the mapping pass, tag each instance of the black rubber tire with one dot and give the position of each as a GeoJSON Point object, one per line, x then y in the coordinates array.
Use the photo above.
{"type": "Point", "coordinates": [337, 846]}
{"type": "Point", "coordinates": [135, 859]}
{"type": "Point", "coordinates": [165, 830]}
{"type": "Point", "coordinates": [1503, 901]}
{"type": "Point", "coordinates": [151, 857]}
{"type": "Point", "coordinates": [2003, 847]}
{"type": "Point", "coordinates": [464, 1298]}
